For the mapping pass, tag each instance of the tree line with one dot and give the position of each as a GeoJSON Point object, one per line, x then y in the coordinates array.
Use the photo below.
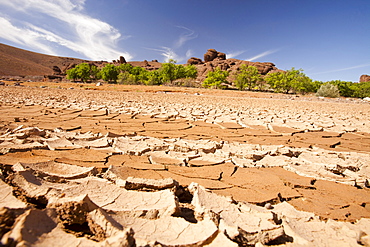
{"type": "Point", "coordinates": [290, 81]}
{"type": "Point", "coordinates": [245, 78]}
{"type": "Point", "coordinates": [128, 74]}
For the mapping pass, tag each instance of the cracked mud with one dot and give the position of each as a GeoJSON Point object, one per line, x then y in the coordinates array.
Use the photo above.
{"type": "Point", "coordinates": [133, 168]}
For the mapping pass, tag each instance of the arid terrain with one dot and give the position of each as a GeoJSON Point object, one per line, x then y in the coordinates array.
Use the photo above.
{"type": "Point", "coordinates": [115, 165]}
{"type": "Point", "coordinates": [124, 165]}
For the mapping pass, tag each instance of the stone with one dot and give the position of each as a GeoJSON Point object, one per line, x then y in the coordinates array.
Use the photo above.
{"type": "Point", "coordinates": [194, 60]}
{"type": "Point", "coordinates": [212, 54]}
{"type": "Point", "coordinates": [122, 60]}
{"type": "Point", "coordinates": [364, 78]}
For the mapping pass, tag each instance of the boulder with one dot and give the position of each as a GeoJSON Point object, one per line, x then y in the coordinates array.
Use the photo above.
{"type": "Point", "coordinates": [212, 54]}
{"type": "Point", "coordinates": [194, 60]}
{"type": "Point", "coordinates": [365, 78]}
{"type": "Point", "coordinates": [122, 60]}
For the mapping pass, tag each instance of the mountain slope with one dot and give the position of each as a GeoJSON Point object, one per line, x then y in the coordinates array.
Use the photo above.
{"type": "Point", "coordinates": [19, 62]}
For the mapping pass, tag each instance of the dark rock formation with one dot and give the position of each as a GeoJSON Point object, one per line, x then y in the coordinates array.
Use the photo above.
{"type": "Point", "coordinates": [212, 54]}
{"type": "Point", "coordinates": [57, 70]}
{"type": "Point", "coordinates": [122, 60]}
{"type": "Point", "coordinates": [194, 61]}
{"type": "Point", "coordinates": [365, 78]}
{"type": "Point", "coordinates": [232, 65]}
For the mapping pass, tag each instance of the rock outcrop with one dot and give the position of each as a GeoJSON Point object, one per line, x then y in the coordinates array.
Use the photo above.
{"type": "Point", "coordinates": [365, 78]}
{"type": "Point", "coordinates": [122, 60]}
{"type": "Point", "coordinates": [214, 59]}
{"type": "Point", "coordinates": [194, 61]}
{"type": "Point", "coordinates": [212, 55]}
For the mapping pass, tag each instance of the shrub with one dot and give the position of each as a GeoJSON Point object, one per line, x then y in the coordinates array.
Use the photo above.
{"type": "Point", "coordinates": [216, 79]}
{"type": "Point", "coordinates": [328, 90]}
{"type": "Point", "coordinates": [362, 89]}
{"type": "Point", "coordinates": [109, 73]}
{"type": "Point", "coordinates": [247, 77]}
{"type": "Point", "coordinates": [290, 80]}
{"type": "Point", "coordinates": [346, 88]}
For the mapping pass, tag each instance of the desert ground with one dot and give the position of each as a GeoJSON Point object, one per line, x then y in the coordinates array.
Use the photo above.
{"type": "Point", "coordinates": [119, 165]}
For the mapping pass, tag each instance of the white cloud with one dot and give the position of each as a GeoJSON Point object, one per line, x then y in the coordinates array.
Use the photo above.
{"type": "Point", "coordinates": [263, 54]}
{"type": "Point", "coordinates": [89, 36]}
{"type": "Point", "coordinates": [171, 52]}
{"type": "Point", "coordinates": [167, 52]}
{"type": "Point", "coordinates": [343, 69]}
{"type": "Point", "coordinates": [235, 54]}
{"type": "Point", "coordinates": [184, 37]}
{"type": "Point", "coordinates": [22, 36]}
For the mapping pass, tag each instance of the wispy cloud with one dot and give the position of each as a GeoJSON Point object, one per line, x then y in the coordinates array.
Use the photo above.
{"type": "Point", "coordinates": [263, 54]}
{"type": "Point", "coordinates": [185, 36]}
{"type": "Point", "coordinates": [93, 38]}
{"type": "Point", "coordinates": [235, 54]}
{"type": "Point", "coordinates": [343, 69]}
{"type": "Point", "coordinates": [172, 52]}
{"type": "Point", "coordinates": [166, 52]}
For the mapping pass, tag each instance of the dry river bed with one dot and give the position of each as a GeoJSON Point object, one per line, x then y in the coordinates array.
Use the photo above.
{"type": "Point", "coordinates": [161, 166]}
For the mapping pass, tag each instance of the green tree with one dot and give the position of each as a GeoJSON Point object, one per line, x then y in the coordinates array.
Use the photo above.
{"type": "Point", "coordinates": [247, 77]}
{"type": "Point", "coordinates": [138, 75]}
{"type": "Point", "coordinates": [154, 78]}
{"type": "Point", "coordinates": [191, 71]}
{"type": "Point", "coordinates": [362, 89]}
{"type": "Point", "coordinates": [169, 71]}
{"type": "Point", "coordinates": [290, 80]}
{"type": "Point", "coordinates": [84, 71]}
{"type": "Point", "coordinates": [346, 88]}
{"type": "Point", "coordinates": [72, 74]}
{"type": "Point", "coordinates": [216, 79]}
{"type": "Point", "coordinates": [310, 86]}
{"type": "Point", "coordinates": [109, 73]}
{"type": "Point", "coordinates": [94, 73]}
{"type": "Point", "coordinates": [126, 67]}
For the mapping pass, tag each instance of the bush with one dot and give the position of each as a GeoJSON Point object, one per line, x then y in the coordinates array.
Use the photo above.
{"type": "Point", "coordinates": [85, 72]}
{"type": "Point", "coordinates": [328, 90]}
{"type": "Point", "coordinates": [346, 88]}
{"type": "Point", "coordinates": [247, 77]}
{"type": "Point", "coordinates": [109, 73]}
{"type": "Point", "coordinates": [362, 89]}
{"type": "Point", "coordinates": [290, 80]}
{"type": "Point", "coordinates": [216, 79]}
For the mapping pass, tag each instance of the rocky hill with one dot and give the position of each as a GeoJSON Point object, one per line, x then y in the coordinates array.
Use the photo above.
{"type": "Point", "coordinates": [23, 63]}
{"type": "Point", "coordinates": [19, 62]}
{"type": "Point", "coordinates": [214, 59]}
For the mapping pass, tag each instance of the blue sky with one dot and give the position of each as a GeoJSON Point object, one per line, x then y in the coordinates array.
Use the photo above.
{"type": "Point", "coordinates": [328, 39]}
